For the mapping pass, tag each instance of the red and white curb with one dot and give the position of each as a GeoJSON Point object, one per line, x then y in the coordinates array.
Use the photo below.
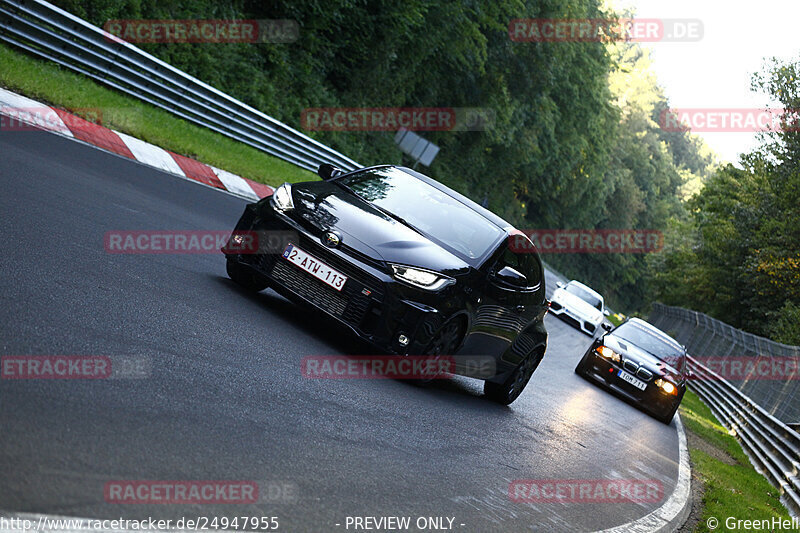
{"type": "Point", "coordinates": [21, 109]}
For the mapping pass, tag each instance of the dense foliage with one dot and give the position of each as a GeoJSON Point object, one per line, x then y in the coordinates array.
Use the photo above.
{"type": "Point", "coordinates": [576, 142]}
{"type": "Point", "coordinates": [739, 258]}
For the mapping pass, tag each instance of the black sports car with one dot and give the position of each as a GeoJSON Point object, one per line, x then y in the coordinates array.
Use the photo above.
{"type": "Point", "coordinates": [641, 363]}
{"type": "Point", "coordinates": [405, 263]}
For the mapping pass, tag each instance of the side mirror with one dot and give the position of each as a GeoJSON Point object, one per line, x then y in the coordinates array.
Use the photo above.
{"type": "Point", "coordinates": [327, 171]}
{"type": "Point", "coordinates": [606, 326]}
{"type": "Point", "coordinates": [606, 312]}
{"type": "Point", "coordinates": [512, 277]}
{"type": "Point", "coordinates": [560, 284]}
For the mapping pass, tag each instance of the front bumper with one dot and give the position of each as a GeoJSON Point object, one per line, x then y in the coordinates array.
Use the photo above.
{"type": "Point", "coordinates": [371, 304]}
{"type": "Point", "coordinates": [652, 399]}
{"type": "Point", "coordinates": [573, 318]}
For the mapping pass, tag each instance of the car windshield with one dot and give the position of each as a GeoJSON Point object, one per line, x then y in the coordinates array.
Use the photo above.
{"type": "Point", "coordinates": [440, 217]}
{"type": "Point", "coordinates": [584, 295]}
{"type": "Point", "coordinates": [654, 342]}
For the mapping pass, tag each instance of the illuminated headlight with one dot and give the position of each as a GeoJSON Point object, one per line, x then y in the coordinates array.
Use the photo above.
{"type": "Point", "coordinates": [282, 198]}
{"type": "Point", "coordinates": [424, 279]}
{"type": "Point", "coordinates": [608, 353]}
{"type": "Point", "coordinates": [666, 386]}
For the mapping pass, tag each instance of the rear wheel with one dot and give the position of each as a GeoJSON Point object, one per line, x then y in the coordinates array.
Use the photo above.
{"type": "Point", "coordinates": [245, 277]}
{"type": "Point", "coordinates": [507, 392]}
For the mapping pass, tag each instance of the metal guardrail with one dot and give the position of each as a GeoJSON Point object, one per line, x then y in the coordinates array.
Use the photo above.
{"type": "Point", "coordinates": [707, 337]}
{"type": "Point", "coordinates": [51, 33]}
{"type": "Point", "coordinates": [773, 447]}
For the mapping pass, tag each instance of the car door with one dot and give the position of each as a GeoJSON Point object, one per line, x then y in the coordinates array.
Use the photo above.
{"type": "Point", "coordinates": [508, 311]}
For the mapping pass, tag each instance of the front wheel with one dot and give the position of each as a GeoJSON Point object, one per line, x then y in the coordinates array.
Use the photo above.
{"type": "Point", "coordinates": [245, 277]}
{"type": "Point", "coordinates": [445, 342]}
{"type": "Point", "coordinates": [505, 393]}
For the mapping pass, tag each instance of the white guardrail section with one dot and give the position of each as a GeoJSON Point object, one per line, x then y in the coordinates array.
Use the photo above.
{"type": "Point", "coordinates": [773, 447]}
{"type": "Point", "coordinates": [51, 33]}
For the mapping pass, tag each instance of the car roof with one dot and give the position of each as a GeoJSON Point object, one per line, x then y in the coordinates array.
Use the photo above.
{"type": "Point", "coordinates": [488, 215]}
{"type": "Point", "coordinates": [655, 331]}
{"type": "Point", "coordinates": [587, 288]}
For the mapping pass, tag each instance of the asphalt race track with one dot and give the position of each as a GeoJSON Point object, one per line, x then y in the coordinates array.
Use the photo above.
{"type": "Point", "coordinates": [223, 398]}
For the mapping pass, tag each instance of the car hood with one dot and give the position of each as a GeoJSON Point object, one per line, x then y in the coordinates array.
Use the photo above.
{"type": "Point", "coordinates": [367, 230]}
{"type": "Point", "coordinates": [578, 305]}
{"type": "Point", "coordinates": [629, 351]}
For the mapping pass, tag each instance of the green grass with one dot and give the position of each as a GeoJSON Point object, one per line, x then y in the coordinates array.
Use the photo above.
{"type": "Point", "coordinates": [731, 490]}
{"type": "Point", "coordinates": [49, 83]}
{"type": "Point", "coordinates": [616, 318]}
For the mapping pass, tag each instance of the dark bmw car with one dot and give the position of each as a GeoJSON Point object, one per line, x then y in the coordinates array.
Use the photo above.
{"type": "Point", "coordinates": [406, 264]}
{"type": "Point", "coordinates": [641, 363]}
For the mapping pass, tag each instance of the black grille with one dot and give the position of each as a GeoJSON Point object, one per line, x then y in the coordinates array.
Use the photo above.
{"type": "Point", "coordinates": [568, 319]}
{"type": "Point", "coordinates": [309, 288]}
{"type": "Point", "coordinates": [351, 304]}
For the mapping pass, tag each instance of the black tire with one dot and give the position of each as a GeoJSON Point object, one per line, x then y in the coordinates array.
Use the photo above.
{"type": "Point", "coordinates": [505, 393]}
{"type": "Point", "coordinates": [445, 341]}
{"type": "Point", "coordinates": [245, 277]}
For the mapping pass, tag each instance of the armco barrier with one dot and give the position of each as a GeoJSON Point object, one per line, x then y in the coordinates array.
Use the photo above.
{"type": "Point", "coordinates": [51, 33]}
{"type": "Point", "coordinates": [772, 446]}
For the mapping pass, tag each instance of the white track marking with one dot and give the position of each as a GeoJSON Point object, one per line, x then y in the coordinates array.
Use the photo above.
{"type": "Point", "coordinates": [150, 154]}
{"type": "Point", "coordinates": [670, 516]}
{"type": "Point", "coordinates": [234, 183]}
{"type": "Point", "coordinates": [32, 112]}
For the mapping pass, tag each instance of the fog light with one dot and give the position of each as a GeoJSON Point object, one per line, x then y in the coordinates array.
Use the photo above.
{"type": "Point", "coordinates": [403, 340]}
{"type": "Point", "coordinates": [238, 239]}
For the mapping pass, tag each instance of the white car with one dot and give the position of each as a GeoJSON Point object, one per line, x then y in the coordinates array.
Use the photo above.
{"type": "Point", "coordinates": [579, 305]}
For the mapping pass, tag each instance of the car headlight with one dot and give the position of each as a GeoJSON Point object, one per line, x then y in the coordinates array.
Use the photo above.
{"type": "Point", "coordinates": [282, 197]}
{"type": "Point", "coordinates": [667, 386]}
{"type": "Point", "coordinates": [424, 279]}
{"type": "Point", "coordinates": [608, 353]}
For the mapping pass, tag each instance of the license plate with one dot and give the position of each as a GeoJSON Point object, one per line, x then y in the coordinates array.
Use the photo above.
{"type": "Point", "coordinates": [314, 266]}
{"type": "Point", "coordinates": [638, 383]}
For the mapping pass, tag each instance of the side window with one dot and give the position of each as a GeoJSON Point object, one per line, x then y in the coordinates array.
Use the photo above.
{"type": "Point", "coordinates": [525, 264]}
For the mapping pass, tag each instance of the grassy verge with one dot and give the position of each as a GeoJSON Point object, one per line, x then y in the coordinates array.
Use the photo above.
{"type": "Point", "coordinates": [616, 319]}
{"type": "Point", "coordinates": [59, 87]}
{"type": "Point", "coordinates": [732, 487]}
